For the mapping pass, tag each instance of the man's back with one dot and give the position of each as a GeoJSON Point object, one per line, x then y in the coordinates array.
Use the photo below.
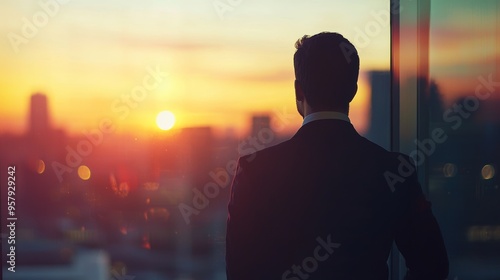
{"type": "Point", "coordinates": [328, 204]}
{"type": "Point", "coordinates": [319, 206]}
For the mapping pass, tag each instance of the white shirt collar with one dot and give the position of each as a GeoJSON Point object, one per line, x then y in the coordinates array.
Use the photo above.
{"type": "Point", "coordinates": [325, 115]}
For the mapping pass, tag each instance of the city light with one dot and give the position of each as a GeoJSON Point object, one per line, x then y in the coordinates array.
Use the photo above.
{"type": "Point", "coordinates": [488, 172]}
{"type": "Point", "coordinates": [84, 172]}
{"type": "Point", "coordinates": [40, 166]}
{"type": "Point", "coordinates": [449, 170]}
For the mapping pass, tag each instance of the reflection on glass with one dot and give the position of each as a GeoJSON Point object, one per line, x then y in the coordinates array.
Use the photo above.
{"type": "Point", "coordinates": [455, 87]}
{"type": "Point", "coordinates": [449, 170]}
{"type": "Point", "coordinates": [488, 172]}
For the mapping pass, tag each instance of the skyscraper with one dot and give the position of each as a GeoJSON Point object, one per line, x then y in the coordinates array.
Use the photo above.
{"type": "Point", "coordinates": [260, 122]}
{"type": "Point", "coordinates": [380, 119]}
{"type": "Point", "coordinates": [39, 115]}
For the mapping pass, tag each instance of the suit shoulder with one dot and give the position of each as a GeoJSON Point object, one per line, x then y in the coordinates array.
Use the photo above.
{"type": "Point", "coordinates": [373, 148]}
{"type": "Point", "coordinates": [390, 157]}
{"type": "Point", "coordinates": [271, 153]}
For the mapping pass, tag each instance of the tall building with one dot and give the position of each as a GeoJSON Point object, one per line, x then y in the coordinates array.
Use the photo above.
{"type": "Point", "coordinates": [260, 122]}
{"type": "Point", "coordinates": [197, 153]}
{"type": "Point", "coordinates": [39, 115]}
{"type": "Point", "coordinates": [380, 118]}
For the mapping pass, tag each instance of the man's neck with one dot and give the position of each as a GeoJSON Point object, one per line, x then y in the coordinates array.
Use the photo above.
{"type": "Point", "coordinates": [308, 110]}
{"type": "Point", "coordinates": [325, 115]}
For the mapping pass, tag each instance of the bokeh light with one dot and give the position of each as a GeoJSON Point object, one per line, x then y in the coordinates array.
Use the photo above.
{"type": "Point", "coordinates": [488, 172]}
{"type": "Point", "coordinates": [449, 170]}
{"type": "Point", "coordinates": [40, 166]}
{"type": "Point", "coordinates": [84, 172]}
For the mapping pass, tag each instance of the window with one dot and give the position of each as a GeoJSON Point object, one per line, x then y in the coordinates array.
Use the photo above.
{"type": "Point", "coordinates": [446, 93]}
{"type": "Point", "coordinates": [89, 92]}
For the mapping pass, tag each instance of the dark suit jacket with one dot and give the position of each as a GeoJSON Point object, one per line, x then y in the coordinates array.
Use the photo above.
{"type": "Point", "coordinates": [319, 206]}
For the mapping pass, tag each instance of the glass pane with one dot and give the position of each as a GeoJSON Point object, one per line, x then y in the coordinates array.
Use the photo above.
{"type": "Point", "coordinates": [124, 119]}
{"type": "Point", "coordinates": [451, 72]}
{"type": "Point", "coordinates": [464, 101]}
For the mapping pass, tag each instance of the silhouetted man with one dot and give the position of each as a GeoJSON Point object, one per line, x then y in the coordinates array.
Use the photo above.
{"type": "Point", "coordinates": [328, 203]}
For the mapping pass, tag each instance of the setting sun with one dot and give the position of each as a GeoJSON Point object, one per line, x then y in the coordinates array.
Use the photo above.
{"type": "Point", "coordinates": [165, 120]}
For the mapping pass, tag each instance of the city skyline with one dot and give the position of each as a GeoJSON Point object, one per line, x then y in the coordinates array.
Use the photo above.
{"type": "Point", "coordinates": [218, 64]}
{"type": "Point", "coordinates": [208, 62]}
{"type": "Point", "coordinates": [106, 188]}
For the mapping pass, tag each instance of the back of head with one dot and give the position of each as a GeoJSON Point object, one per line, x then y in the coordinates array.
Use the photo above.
{"type": "Point", "coordinates": [326, 68]}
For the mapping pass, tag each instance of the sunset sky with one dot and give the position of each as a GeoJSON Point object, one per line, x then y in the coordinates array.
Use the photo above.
{"type": "Point", "coordinates": [223, 60]}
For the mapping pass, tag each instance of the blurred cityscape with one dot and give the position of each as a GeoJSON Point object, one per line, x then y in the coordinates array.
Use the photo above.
{"type": "Point", "coordinates": [106, 206]}
{"type": "Point", "coordinates": [118, 205]}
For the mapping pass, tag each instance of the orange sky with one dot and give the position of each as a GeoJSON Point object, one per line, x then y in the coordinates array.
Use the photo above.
{"type": "Point", "coordinates": [220, 66]}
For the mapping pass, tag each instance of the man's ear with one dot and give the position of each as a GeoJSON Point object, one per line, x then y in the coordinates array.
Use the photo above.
{"type": "Point", "coordinates": [299, 94]}
{"type": "Point", "coordinates": [350, 98]}
{"type": "Point", "coordinates": [300, 99]}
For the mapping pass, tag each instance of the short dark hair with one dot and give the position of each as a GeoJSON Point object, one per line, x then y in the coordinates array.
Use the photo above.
{"type": "Point", "coordinates": [327, 69]}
